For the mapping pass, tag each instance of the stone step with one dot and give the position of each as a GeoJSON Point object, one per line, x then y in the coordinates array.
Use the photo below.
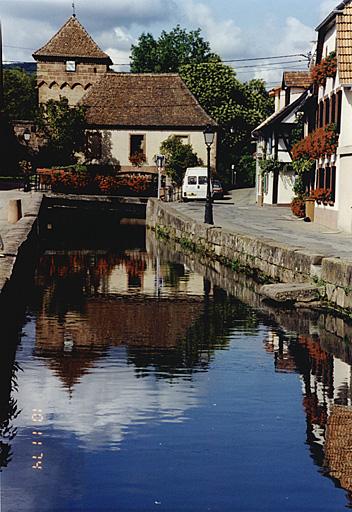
{"type": "Point", "coordinates": [287, 292]}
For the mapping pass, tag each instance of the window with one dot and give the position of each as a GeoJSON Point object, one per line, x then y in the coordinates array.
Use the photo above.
{"type": "Point", "coordinates": [321, 114]}
{"type": "Point", "coordinates": [339, 110]}
{"type": "Point", "coordinates": [192, 180]}
{"type": "Point", "coordinates": [202, 180]}
{"type": "Point", "coordinates": [94, 145]}
{"type": "Point", "coordinates": [70, 65]}
{"type": "Point", "coordinates": [333, 108]}
{"type": "Point", "coordinates": [326, 178]}
{"type": "Point", "coordinates": [183, 138]}
{"type": "Point", "coordinates": [327, 111]}
{"type": "Point", "coordinates": [137, 145]}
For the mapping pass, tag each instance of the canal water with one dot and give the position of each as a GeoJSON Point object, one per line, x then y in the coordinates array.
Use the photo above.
{"type": "Point", "coordinates": [141, 385]}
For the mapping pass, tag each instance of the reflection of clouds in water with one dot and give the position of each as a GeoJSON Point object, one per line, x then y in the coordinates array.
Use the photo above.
{"type": "Point", "coordinates": [105, 404]}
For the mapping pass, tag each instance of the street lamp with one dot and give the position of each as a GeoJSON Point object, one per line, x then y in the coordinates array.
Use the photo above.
{"type": "Point", "coordinates": [27, 182]}
{"type": "Point", "coordinates": [209, 134]}
{"type": "Point", "coordinates": [160, 161]}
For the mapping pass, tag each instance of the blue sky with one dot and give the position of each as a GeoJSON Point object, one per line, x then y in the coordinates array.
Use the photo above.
{"type": "Point", "coordinates": [235, 29]}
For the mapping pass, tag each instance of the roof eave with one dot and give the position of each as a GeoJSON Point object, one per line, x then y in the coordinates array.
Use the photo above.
{"type": "Point", "coordinates": [281, 114]}
{"type": "Point", "coordinates": [338, 9]}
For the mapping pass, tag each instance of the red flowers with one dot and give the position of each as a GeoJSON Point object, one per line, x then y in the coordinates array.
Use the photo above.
{"type": "Point", "coordinates": [298, 207]}
{"type": "Point", "coordinates": [71, 182]}
{"type": "Point", "coordinates": [327, 68]}
{"type": "Point", "coordinates": [321, 142]}
{"type": "Point", "coordinates": [138, 159]}
{"type": "Point", "coordinates": [321, 195]}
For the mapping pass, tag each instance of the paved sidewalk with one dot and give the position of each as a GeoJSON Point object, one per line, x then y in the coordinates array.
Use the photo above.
{"type": "Point", "coordinates": [238, 213]}
{"type": "Point", "coordinates": [5, 196]}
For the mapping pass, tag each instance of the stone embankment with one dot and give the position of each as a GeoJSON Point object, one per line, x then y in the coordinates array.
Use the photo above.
{"type": "Point", "coordinates": [268, 259]}
{"type": "Point", "coordinates": [17, 238]}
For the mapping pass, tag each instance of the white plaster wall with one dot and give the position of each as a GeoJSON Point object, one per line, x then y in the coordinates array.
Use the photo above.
{"type": "Point", "coordinates": [344, 188]}
{"type": "Point", "coordinates": [283, 155]}
{"type": "Point", "coordinates": [342, 376]}
{"type": "Point", "coordinates": [296, 92]}
{"type": "Point", "coordinates": [120, 144]}
{"type": "Point", "coordinates": [329, 41]}
{"type": "Point", "coordinates": [268, 197]}
{"type": "Point", "coordinates": [286, 182]}
{"type": "Point", "coordinates": [329, 46]}
{"type": "Point", "coordinates": [346, 118]}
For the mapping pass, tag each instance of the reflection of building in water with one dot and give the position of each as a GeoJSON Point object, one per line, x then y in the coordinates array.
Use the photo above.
{"type": "Point", "coordinates": [93, 301]}
{"type": "Point", "coordinates": [338, 446]}
{"type": "Point", "coordinates": [327, 388]}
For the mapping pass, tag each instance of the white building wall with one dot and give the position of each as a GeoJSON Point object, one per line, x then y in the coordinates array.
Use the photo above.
{"type": "Point", "coordinates": [285, 192]}
{"type": "Point", "coordinates": [120, 143]}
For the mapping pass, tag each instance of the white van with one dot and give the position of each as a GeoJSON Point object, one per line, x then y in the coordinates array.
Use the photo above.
{"type": "Point", "coordinates": [194, 184]}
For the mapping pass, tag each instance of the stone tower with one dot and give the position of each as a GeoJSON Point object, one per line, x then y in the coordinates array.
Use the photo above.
{"type": "Point", "coordinates": [69, 64]}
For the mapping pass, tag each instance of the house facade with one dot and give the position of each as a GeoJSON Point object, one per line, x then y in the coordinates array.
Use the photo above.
{"type": "Point", "coordinates": [128, 115]}
{"type": "Point", "coordinates": [334, 96]}
{"type": "Point", "coordinates": [274, 142]}
{"type": "Point", "coordinates": [132, 114]}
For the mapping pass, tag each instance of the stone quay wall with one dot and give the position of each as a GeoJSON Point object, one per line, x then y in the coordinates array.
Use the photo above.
{"type": "Point", "coordinates": [267, 258]}
{"type": "Point", "coordinates": [18, 249]}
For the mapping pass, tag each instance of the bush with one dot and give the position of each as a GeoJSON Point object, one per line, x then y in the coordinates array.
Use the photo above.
{"type": "Point", "coordinates": [298, 207]}
{"type": "Point", "coordinates": [179, 157]}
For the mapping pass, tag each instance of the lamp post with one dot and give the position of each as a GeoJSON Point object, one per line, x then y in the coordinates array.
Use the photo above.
{"type": "Point", "coordinates": [159, 160]}
{"type": "Point", "coordinates": [209, 135]}
{"type": "Point", "coordinates": [27, 182]}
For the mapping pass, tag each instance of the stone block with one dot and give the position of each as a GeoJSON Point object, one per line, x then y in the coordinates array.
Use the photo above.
{"type": "Point", "coordinates": [299, 292]}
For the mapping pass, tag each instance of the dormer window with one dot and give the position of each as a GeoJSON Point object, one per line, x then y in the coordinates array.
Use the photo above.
{"type": "Point", "coordinates": [70, 65]}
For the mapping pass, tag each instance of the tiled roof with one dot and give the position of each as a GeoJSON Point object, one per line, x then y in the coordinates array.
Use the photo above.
{"type": "Point", "coordinates": [344, 45]}
{"type": "Point", "coordinates": [159, 100]}
{"type": "Point", "coordinates": [297, 79]}
{"type": "Point", "coordinates": [72, 40]}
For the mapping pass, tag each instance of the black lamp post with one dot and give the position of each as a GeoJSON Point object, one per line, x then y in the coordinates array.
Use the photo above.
{"type": "Point", "coordinates": [209, 134]}
{"type": "Point", "coordinates": [27, 182]}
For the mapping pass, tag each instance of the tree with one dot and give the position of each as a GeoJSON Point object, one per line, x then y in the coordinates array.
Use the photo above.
{"type": "Point", "coordinates": [169, 52]}
{"type": "Point", "coordinates": [237, 108]}
{"type": "Point", "coordinates": [179, 156]}
{"type": "Point", "coordinates": [20, 94]}
{"type": "Point", "coordinates": [64, 128]}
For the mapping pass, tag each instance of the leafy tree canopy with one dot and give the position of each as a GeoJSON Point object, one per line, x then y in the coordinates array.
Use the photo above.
{"type": "Point", "coordinates": [64, 129]}
{"type": "Point", "coordinates": [237, 107]}
{"type": "Point", "coordinates": [20, 94]}
{"type": "Point", "coordinates": [179, 156]}
{"type": "Point", "coordinates": [169, 52]}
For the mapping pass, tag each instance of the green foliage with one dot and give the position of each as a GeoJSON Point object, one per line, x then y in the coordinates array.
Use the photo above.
{"type": "Point", "coordinates": [297, 132]}
{"type": "Point", "coordinates": [237, 108]}
{"type": "Point", "coordinates": [179, 156]}
{"type": "Point", "coordinates": [20, 94]}
{"type": "Point", "coordinates": [246, 171]}
{"type": "Point", "coordinates": [299, 187]}
{"type": "Point", "coordinates": [169, 52]}
{"type": "Point", "coordinates": [64, 129]}
{"type": "Point", "coordinates": [270, 165]}
{"type": "Point", "coordinates": [303, 166]}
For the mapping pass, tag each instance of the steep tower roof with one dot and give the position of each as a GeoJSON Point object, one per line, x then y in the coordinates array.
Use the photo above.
{"type": "Point", "coordinates": [71, 41]}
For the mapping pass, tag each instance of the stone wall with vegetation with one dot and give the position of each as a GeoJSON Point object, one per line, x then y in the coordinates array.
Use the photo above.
{"type": "Point", "coordinates": [264, 258]}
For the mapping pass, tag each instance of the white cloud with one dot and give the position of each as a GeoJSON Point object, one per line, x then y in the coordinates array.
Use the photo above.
{"type": "Point", "coordinates": [296, 38]}
{"type": "Point", "coordinates": [224, 36]}
{"type": "Point", "coordinates": [104, 405]}
{"type": "Point", "coordinates": [326, 7]}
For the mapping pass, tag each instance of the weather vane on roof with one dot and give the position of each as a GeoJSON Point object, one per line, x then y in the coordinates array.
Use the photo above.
{"type": "Point", "coordinates": [73, 9]}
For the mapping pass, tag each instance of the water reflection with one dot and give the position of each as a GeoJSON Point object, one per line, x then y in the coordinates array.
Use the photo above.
{"type": "Point", "coordinates": [118, 345]}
